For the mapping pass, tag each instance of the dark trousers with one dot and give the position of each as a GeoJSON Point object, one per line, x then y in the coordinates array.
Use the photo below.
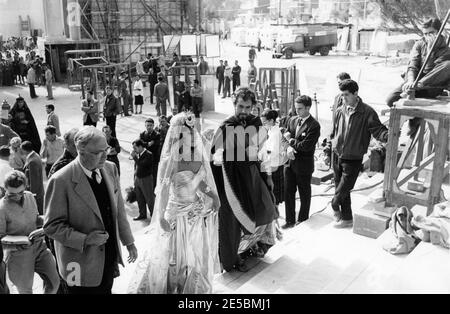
{"type": "Point", "coordinates": [126, 104]}
{"type": "Point", "coordinates": [227, 87]}
{"type": "Point", "coordinates": [32, 91]}
{"type": "Point", "coordinates": [221, 80]}
{"type": "Point", "coordinates": [161, 107]}
{"type": "Point", "coordinates": [178, 103]}
{"type": "Point", "coordinates": [104, 288]}
{"type": "Point", "coordinates": [90, 122]}
{"type": "Point", "coordinates": [197, 106]}
{"type": "Point", "coordinates": [292, 183]}
{"type": "Point", "coordinates": [152, 92]}
{"type": "Point", "coordinates": [236, 83]}
{"type": "Point", "coordinates": [144, 195]}
{"type": "Point", "coordinates": [345, 175]}
{"type": "Point", "coordinates": [439, 78]}
{"type": "Point", "coordinates": [111, 122]}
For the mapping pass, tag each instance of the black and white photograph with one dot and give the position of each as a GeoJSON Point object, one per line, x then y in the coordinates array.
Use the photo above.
{"type": "Point", "coordinates": [226, 153]}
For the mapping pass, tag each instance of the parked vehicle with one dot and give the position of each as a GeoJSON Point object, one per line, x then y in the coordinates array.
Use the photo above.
{"type": "Point", "coordinates": [311, 38]}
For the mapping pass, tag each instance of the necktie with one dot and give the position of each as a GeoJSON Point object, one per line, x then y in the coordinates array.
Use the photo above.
{"type": "Point", "coordinates": [298, 127]}
{"type": "Point", "coordinates": [96, 177]}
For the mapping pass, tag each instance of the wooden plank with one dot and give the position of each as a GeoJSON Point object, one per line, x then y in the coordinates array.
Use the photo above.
{"type": "Point", "coordinates": [441, 152]}
{"type": "Point", "coordinates": [391, 149]}
{"type": "Point", "coordinates": [415, 171]}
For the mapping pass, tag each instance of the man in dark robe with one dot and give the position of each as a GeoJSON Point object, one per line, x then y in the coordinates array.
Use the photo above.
{"type": "Point", "coordinates": [22, 122]}
{"type": "Point", "coordinates": [246, 201]}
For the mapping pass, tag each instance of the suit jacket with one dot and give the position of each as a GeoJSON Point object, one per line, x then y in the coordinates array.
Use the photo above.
{"type": "Point", "coordinates": [72, 212]}
{"type": "Point", "coordinates": [34, 173]}
{"type": "Point", "coordinates": [93, 110]}
{"type": "Point", "coordinates": [220, 72]}
{"type": "Point", "coordinates": [112, 106]}
{"type": "Point", "coordinates": [154, 137]}
{"type": "Point", "coordinates": [143, 166]}
{"type": "Point", "coordinates": [161, 91]}
{"type": "Point", "coordinates": [304, 142]}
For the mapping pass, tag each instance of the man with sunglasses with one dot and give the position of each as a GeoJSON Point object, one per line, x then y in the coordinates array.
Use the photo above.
{"type": "Point", "coordinates": [436, 75]}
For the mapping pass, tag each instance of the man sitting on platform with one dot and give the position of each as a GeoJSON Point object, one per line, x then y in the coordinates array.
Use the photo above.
{"type": "Point", "coordinates": [436, 75]}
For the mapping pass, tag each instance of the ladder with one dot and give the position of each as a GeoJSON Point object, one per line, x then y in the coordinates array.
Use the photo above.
{"type": "Point", "coordinates": [25, 26]}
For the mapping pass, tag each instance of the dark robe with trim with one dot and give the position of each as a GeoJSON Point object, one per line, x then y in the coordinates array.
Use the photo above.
{"type": "Point", "coordinates": [22, 122]}
{"type": "Point", "coordinates": [246, 200]}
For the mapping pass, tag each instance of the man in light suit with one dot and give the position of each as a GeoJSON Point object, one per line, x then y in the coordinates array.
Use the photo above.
{"type": "Point", "coordinates": [85, 216]}
{"type": "Point", "coordinates": [34, 172]}
{"type": "Point", "coordinates": [303, 132]}
{"type": "Point", "coordinates": [91, 109]}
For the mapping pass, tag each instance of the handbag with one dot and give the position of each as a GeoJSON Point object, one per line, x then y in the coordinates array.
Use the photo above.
{"type": "Point", "coordinates": [131, 195]}
{"type": "Point", "coordinates": [403, 238]}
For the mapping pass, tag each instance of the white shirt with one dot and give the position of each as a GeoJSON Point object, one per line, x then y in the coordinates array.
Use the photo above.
{"type": "Point", "coordinates": [88, 173]}
{"type": "Point", "coordinates": [138, 88]}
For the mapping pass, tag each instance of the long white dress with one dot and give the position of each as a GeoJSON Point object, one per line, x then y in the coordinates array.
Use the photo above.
{"type": "Point", "coordinates": [185, 259]}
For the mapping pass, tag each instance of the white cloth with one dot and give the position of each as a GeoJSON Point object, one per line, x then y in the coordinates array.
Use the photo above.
{"type": "Point", "coordinates": [273, 153]}
{"type": "Point", "coordinates": [138, 88]}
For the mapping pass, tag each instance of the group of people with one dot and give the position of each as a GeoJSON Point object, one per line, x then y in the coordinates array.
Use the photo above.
{"type": "Point", "coordinates": [31, 70]}
{"type": "Point", "coordinates": [227, 75]}
{"type": "Point", "coordinates": [212, 197]}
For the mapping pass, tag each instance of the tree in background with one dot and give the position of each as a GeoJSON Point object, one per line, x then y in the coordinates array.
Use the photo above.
{"type": "Point", "coordinates": [409, 14]}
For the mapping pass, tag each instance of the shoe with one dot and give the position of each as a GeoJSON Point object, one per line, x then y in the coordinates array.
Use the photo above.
{"type": "Point", "coordinates": [342, 224]}
{"type": "Point", "coordinates": [140, 218]}
{"type": "Point", "coordinates": [288, 226]}
{"type": "Point", "coordinates": [240, 266]}
{"type": "Point", "coordinates": [337, 216]}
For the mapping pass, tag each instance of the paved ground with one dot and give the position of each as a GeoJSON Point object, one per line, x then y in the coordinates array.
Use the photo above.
{"type": "Point", "coordinates": [318, 76]}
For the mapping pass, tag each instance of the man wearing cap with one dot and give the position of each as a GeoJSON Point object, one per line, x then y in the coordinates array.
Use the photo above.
{"type": "Point", "coordinates": [52, 118]}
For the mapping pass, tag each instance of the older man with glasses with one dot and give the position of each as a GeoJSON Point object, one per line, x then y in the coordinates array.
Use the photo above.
{"type": "Point", "coordinates": [86, 218]}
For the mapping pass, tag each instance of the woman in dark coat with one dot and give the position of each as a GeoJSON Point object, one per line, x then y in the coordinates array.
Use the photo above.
{"type": "Point", "coordinates": [22, 122]}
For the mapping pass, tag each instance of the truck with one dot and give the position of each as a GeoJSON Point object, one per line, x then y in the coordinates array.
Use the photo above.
{"type": "Point", "coordinates": [311, 38]}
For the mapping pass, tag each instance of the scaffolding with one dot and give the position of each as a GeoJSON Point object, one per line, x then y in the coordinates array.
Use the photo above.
{"type": "Point", "coordinates": [129, 29]}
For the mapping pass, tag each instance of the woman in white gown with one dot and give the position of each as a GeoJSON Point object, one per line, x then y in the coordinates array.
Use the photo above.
{"type": "Point", "coordinates": [182, 239]}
